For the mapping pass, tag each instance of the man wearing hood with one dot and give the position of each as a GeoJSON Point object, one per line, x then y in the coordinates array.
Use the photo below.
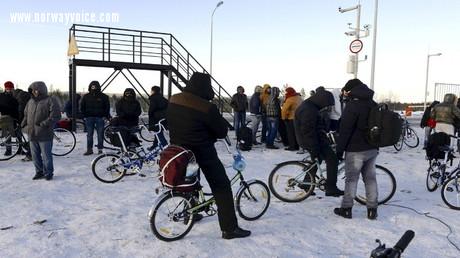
{"type": "Point", "coordinates": [157, 111]}
{"type": "Point", "coordinates": [195, 123]}
{"type": "Point", "coordinates": [128, 109]}
{"type": "Point", "coordinates": [255, 107]}
{"type": "Point", "coordinates": [445, 114]}
{"type": "Point", "coordinates": [273, 113]}
{"type": "Point", "coordinates": [264, 98]}
{"type": "Point", "coordinates": [8, 114]}
{"type": "Point", "coordinates": [292, 101]}
{"type": "Point", "coordinates": [310, 129]}
{"type": "Point", "coordinates": [360, 155]}
{"type": "Point", "coordinates": [239, 104]}
{"type": "Point", "coordinates": [40, 115]}
{"type": "Point", "coordinates": [94, 107]}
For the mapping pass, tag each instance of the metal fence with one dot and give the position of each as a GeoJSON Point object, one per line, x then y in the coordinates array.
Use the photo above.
{"type": "Point", "coordinates": [441, 89]}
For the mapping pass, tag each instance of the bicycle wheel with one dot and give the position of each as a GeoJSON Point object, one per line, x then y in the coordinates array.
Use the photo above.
{"type": "Point", "coordinates": [398, 146]}
{"type": "Point", "coordinates": [386, 183]}
{"type": "Point", "coordinates": [411, 139]}
{"type": "Point", "coordinates": [107, 133]}
{"type": "Point", "coordinates": [169, 218]}
{"type": "Point", "coordinates": [63, 142]}
{"type": "Point", "coordinates": [9, 145]}
{"type": "Point", "coordinates": [80, 126]}
{"type": "Point", "coordinates": [252, 200]}
{"type": "Point", "coordinates": [432, 176]}
{"type": "Point", "coordinates": [450, 192]}
{"type": "Point", "coordinates": [108, 168]}
{"type": "Point", "coordinates": [290, 182]}
{"type": "Point", "coordinates": [147, 135]}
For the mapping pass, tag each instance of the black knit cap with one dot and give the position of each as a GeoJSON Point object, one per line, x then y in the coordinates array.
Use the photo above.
{"type": "Point", "coordinates": [351, 84]}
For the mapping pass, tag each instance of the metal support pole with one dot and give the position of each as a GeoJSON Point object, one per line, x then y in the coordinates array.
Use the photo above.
{"type": "Point", "coordinates": [426, 80]}
{"type": "Point", "coordinates": [169, 83]}
{"type": "Point", "coordinates": [374, 43]}
{"type": "Point", "coordinates": [358, 26]}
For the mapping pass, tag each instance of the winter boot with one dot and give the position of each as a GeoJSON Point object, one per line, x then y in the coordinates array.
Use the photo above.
{"type": "Point", "coordinates": [88, 152]}
{"type": "Point", "coordinates": [38, 176]}
{"type": "Point", "coordinates": [237, 233]}
{"type": "Point", "coordinates": [343, 212]}
{"type": "Point", "coordinates": [372, 213]}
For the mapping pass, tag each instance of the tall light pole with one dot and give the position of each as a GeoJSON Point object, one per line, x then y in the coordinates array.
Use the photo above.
{"type": "Point", "coordinates": [212, 17]}
{"type": "Point", "coordinates": [426, 78]}
{"type": "Point", "coordinates": [355, 33]}
{"type": "Point", "coordinates": [374, 42]}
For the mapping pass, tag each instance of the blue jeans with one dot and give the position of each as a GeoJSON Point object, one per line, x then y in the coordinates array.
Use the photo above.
{"type": "Point", "coordinates": [42, 157]}
{"type": "Point", "coordinates": [239, 120]}
{"type": "Point", "coordinates": [91, 123]}
{"type": "Point", "coordinates": [272, 124]}
{"type": "Point", "coordinates": [255, 125]}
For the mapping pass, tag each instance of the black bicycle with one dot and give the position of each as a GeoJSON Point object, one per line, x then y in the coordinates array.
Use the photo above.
{"type": "Point", "coordinates": [408, 137]}
{"type": "Point", "coordinates": [393, 252]}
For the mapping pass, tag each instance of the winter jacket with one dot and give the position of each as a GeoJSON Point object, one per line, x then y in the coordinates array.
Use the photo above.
{"type": "Point", "coordinates": [265, 97]}
{"type": "Point", "coordinates": [353, 125]}
{"type": "Point", "coordinates": [255, 104]}
{"type": "Point", "coordinates": [68, 107]}
{"type": "Point", "coordinates": [157, 108]}
{"type": "Point", "coordinates": [128, 109]}
{"type": "Point", "coordinates": [310, 128]}
{"type": "Point", "coordinates": [290, 106]}
{"type": "Point", "coordinates": [192, 119]}
{"type": "Point", "coordinates": [41, 114]}
{"type": "Point", "coordinates": [9, 106]}
{"type": "Point", "coordinates": [273, 106]}
{"type": "Point", "coordinates": [95, 104]}
{"type": "Point", "coordinates": [22, 97]}
{"type": "Point", "coordinates": [239, 102]}
{"type": "Point", "coordinates": [427, 114]}
{"type": "Point", "coordinates": [446, 112]}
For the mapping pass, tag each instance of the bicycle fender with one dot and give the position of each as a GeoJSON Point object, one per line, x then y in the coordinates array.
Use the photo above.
{"type": "Point", "coordinates": [161, 197]}
{"type": "Point", "coordinates": [242, 187]}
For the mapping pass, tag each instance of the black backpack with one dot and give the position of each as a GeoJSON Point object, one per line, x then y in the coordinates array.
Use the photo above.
{"type": "Point", "coordinates": [435, 142]}
{"type": "Point", "coordinates": [244, 138]}
{"type": "Point", "coordinates": [384, 126]}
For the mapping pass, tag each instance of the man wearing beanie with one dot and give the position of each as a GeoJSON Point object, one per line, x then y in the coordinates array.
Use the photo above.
{"type": "Point", "coordinates": [40, 115]}
{"type": "Point", "coordinates": [8, 114]}
{"type": "Point", "coordinates": [95, 106]}
{"type": "Point", "coordinates": [360, 156]}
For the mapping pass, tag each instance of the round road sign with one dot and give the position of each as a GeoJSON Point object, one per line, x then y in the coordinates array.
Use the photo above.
{"type": "Point", "coordinates": [356, 46]}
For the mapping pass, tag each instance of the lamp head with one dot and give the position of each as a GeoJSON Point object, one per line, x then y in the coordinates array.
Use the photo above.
{"type": "Point", "coordinates": [219, 3]}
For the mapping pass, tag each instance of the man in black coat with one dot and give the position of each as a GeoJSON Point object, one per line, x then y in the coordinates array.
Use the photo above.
{"type": "Point", "coordinates": [8, 114]}
{"type": "Point", "coordinates": [239, 104]}
{"type": "Point", "coordinates": [310, 129]}
{"type": "Point", "coordinates": [95, 106]}
{"type": "Point", "coordinates": [128, 109]}
{"type": "Point", "coordinates": [360, 155]}
{"type": "Point", "coordinates": [195, 123]}
{"type": "Point", "coordinates": [157, 111]}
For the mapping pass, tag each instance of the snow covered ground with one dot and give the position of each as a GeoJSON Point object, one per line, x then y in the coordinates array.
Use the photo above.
{"type": "Point", "coordinates": [87, 218]}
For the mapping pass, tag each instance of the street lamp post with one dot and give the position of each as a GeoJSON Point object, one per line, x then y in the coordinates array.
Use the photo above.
{"type": "Point", "coordinates": [212, 17]}
{"type": "Point", "coordinates": [374, 42]}
{"type": "Point", "coordinates": [426, 78]}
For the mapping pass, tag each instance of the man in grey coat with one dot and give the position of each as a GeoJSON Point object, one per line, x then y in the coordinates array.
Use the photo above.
{"type": "Point", "coordinates": [40, 115]}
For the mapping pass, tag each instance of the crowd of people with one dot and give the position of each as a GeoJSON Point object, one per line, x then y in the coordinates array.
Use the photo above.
{"type": "Point", "coordinates": [195, 123]}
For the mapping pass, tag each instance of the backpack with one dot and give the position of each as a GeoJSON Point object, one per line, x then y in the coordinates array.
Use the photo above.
{"type": "Point", "coordinates": [434, 144]}
{"type": "Point", "coordinates": [179, 170]}
{"type": "Point", "coordinates": [384, 126]}
{"type": "Point", "coordinates": [244, 138]}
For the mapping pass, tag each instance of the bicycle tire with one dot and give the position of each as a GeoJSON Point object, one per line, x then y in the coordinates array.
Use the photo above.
{"type": "Point", "coordinates": [291, 185]}
{"type": "Point", "coordinates": [398, 146]}
{"type": "Point", "coordinates": [250, 193]}
{"type": "Point", "coordinates": [452, 185]}
{"type": "Point", "coordinates": [68, 146]}
{"type": "Point", "coordinates": [431, 180]}
{"type": "Point", "coordinates": [97, 174]}
{"type": "Point", "coordinates": [383, 198]}
{"type": "Point", "coordinates": [106, 135]}
{"type": "Point", "coordinates": [12, 144]}
{"type": "Point", "coordinates": [147, 135]}
{"type": "Point", "coordinates": [179, 218]}
{"type": "Point", "coordinates": [80, 126]}
{"type": "Point", "coordinates": [411, 134]}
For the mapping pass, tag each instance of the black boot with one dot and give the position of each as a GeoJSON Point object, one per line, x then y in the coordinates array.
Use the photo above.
{"type": "Point", "coordinates": [334, 192]}
{"type": "Point", "coordinates": [237, 233]}
{"type": "Point", "coordinates": [38, 176]}
{"type": "Point", "coordinates": [343, 212]}
{"type": "Point", "coordinates": [372, 213]}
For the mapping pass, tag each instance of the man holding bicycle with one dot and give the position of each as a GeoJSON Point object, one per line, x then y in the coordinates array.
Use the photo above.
{"type": "Point", "coordinates": [360, 155]}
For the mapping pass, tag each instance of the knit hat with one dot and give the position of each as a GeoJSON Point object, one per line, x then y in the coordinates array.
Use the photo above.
{"type": "Point", "coordinates": [351, 84]}
{"type": "Point", "coordinates": [9, 85]}
{"type": "Point", "coordinates": [290, 92]}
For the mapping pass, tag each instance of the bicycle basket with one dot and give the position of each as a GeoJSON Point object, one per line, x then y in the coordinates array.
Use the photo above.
{"type": "Point", "coordinates": [179, 170]}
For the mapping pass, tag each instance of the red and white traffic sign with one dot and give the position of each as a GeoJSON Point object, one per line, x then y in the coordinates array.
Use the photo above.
{"type": "Point", "coordinates": [356, 46]}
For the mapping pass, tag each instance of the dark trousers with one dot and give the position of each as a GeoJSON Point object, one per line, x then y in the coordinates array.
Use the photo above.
{"type": "Point", "coordinates": [214, 171]}
{"type": "Point", "coordinates": [91, 124]}
{"type": "Point", "coordinates": [328, 155]}
{"type": "Point", "coordinates": [282, 130]}
{"type": "Point", "coordinates": [290, 131]}
{"type": "Point", "coordinates": [264, 128]}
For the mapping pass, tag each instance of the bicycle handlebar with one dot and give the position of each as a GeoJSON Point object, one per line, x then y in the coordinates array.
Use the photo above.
{"type": "Point", "coordinates": [404, 241]}
{"type": "Point", "coordinates": [395, 252]}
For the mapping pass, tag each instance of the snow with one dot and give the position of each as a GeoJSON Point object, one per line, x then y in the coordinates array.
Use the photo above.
{"type": "Point", "coordinates": [87, 218]}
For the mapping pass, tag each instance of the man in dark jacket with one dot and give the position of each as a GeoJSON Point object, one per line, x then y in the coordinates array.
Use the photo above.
{"type": "Point", "coordinates": [40, 115]}
{"type": "Point", "coordinates": [8, 114]}
{"type": "Point", "coordinates": [22, 97]}
{"type": "Point", "coordinates": [255, 107]}
{"type": "Point", "coordinates": [195, 123]}
{"type": "Point", "coordinates": [128, 109]}
{"type": "Point", "coordinates": [311, 135]}
{"type": "Point", "coordinates": [239, 104]}
{"type": "Point", "coordinates": [95, 106]}
{"type": "Point", "coordinates": [157, 111]}
{"type": "Point", "coordinates": [360, 155]}
{"type": "Point", "coordinates": [68, 107]}
{"type": "Point", "coordinates": [424, 122]}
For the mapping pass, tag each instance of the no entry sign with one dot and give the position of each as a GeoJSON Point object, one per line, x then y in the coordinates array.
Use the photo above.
{"type": "Point", "coordinates": [356, 46]}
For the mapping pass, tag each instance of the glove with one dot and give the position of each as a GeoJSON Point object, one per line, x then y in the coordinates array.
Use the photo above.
{"type": "Point", "coordinates": [340, 156]}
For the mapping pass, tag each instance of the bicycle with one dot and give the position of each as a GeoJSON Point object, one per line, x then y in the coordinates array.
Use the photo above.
{"type": "Point", "coordinates": [393, 252]}
{"type": "Point", "coordinates": [64, 142]}
{"type": "Point", "coordinates": [172, 215]}
{"type": "Point", "coordinates": [408, 137]}
{"type": "Point", "coordinates": [111, 167]}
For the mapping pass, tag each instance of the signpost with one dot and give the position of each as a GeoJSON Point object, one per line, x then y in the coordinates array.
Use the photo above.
{"type": "Point", "coordinates": [356, 46]}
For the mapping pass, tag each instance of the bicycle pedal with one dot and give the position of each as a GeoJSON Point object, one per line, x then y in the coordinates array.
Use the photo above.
{"type": "Point", "coordinates": [449, 189]}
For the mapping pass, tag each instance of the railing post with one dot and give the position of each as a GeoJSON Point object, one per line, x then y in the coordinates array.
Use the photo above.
{"type": "Point", "coordinates": [134, 49]}
{"type": "Point", "coordinates": [103, 46]}
{"type": "Point", "coordinates": [161, 54]}
{"type": "Point", "coordinates": [109, 46]}
{"type": "Point", "coordinates": [140, 49]}
{"type": "Point", "coordinates": [188, 65]}
{"type": "Point", "coordinates": [170, 49]}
